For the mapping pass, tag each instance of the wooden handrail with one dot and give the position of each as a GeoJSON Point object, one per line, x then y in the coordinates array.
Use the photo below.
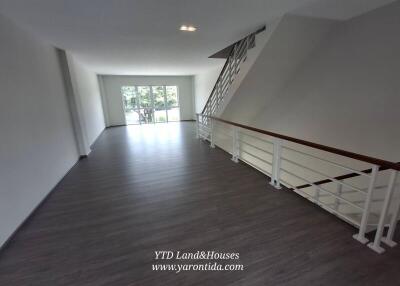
{"type": "Point", "coordinates": [356, 156]}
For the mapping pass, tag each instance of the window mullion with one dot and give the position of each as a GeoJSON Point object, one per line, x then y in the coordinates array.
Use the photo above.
{"type": "Point", "coordinates": [165, 102]}
{"type": "Point", "coordinates": [138, 103]}
{"type": "Point", "coordinates": [152, 103]}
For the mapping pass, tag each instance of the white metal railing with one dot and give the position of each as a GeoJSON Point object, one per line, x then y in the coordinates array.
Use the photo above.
{"type": "Point", "coordinates": [316, 172]}
{"type": "Point", "coordinates": [231, 68]}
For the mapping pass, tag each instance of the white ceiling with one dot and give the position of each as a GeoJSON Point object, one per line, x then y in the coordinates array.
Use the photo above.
{"type": "Point", "coordinates": [142, 36]}
{"type": "Point", "coordinates": [339, 9]}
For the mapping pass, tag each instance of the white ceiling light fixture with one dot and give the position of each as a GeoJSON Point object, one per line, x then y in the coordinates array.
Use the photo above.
{"type": "Point", "coordinates": [187, 28]}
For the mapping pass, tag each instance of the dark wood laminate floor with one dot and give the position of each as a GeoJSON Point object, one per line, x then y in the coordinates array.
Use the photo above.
{"type": "Point", "coordinates": [158, 188]}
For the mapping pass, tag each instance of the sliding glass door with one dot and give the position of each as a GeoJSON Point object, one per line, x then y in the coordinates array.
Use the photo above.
{"type": "Point", "coordinates": [130, 100]}
{"type": "Point", "coordinates": [146, 110]}
{"type": "Point", "coordinates": [150, 104]}
{"type": "Point", "coordinates": [158, 93]}
{"type": "Point", "coordinates": [172, 102]}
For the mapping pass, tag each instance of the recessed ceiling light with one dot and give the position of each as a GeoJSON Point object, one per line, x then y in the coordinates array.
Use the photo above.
{"type": "Point", "coordinates": [187, 28]}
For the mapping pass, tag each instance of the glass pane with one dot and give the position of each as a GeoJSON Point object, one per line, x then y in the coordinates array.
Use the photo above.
{"type": "Point", "coordinates": [132, 117]}
{"type": "Point", "coordinates": [130, 97]}
{"type": "Point", "coordinates": [144, 97]}
{"type": "Point", "coordinates": [172, 96]}
{"type": "Point", "coordinates": [173, 114]}
{"type": "Point", "coordinates": [146, 115]}
{"type": "Point", "coordinates": [158, 97]}
{"type": "Point", "coordinates": [130, 102]}
{"type": "Point", "coordinates": [160, 116]}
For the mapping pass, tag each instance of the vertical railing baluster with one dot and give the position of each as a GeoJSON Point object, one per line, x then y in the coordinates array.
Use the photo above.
{"type": "Point", "coordinates": [376, 245]}
{"type": "Point", "coordinates": [237, 55]}
{"type": "Point", "coordinates": [197, 126]}
{"type": "Point", "coordinates": [246, 49]}
{"type": "Point", "coordinates": [230, 70]}
{"type": "Point", "coordinates": [234, 55]}
{"type": "Point", "coordinates": [316, 197]}
{"type": "Point", "coordinates": [388, 239]}
{"type": "Point", "coordinates": [235, 144]}
{"type": "Point", "coordinates": [360, 236]}
{"type": "Point", "coordinates": [276, 164]}
{"type": "Point", "coordinates": [339, 190]}
{"type": "Point", "coordinates": [212, 145]}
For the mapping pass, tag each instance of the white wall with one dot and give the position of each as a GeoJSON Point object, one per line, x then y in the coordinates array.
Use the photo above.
{"type": "Point", "coordinates": [87, 93]}
{"type": "Point", "coordinates": [112, 89]}
{"type": "Point", "coordinates": [37, 145]}
{"type": "Point", "coordinates": [261, 39]}
{"type": "Point", "coordinates": [344, 94]}
{"type": "Point", "coordinates": [291, 43]}
{"type": "Point", "coordinates": [347, 94]}
{"type": "Point", "coordinates": [203, 85]}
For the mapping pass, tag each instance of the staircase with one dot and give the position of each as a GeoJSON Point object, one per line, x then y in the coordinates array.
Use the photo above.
{"type": "Point", "coordinates": [236, 57]}
{"type": "Point", "coordinates": [360, 190]}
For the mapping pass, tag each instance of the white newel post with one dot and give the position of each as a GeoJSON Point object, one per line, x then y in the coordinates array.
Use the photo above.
{"type": "Point", "coordinates": [360, 236]}
{"type": "Point", "coordinates": [339, 193]}
{"type": "Point", "coordinates": [317, 193]}
{"type": "Point", "coordinates": [376, 245]}
{"type": "Point", "coordinates": [197, 126]}
{"type": "Point", "coordinates": [212, 145]}
{"type": "Point", "coordinates": [235, 145]}
{"type": "Point", "coordinates": [388, 239]}
{"type": "Point", "coordinates": [276, 164]}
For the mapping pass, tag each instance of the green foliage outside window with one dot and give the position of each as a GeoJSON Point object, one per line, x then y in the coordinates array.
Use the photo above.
{"type": "Point", "coordinates": [172, 96]}
{"type": "Point", "coordinates": [146, 100]}
{"type": "Point", "coordinates": [129, 97]}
